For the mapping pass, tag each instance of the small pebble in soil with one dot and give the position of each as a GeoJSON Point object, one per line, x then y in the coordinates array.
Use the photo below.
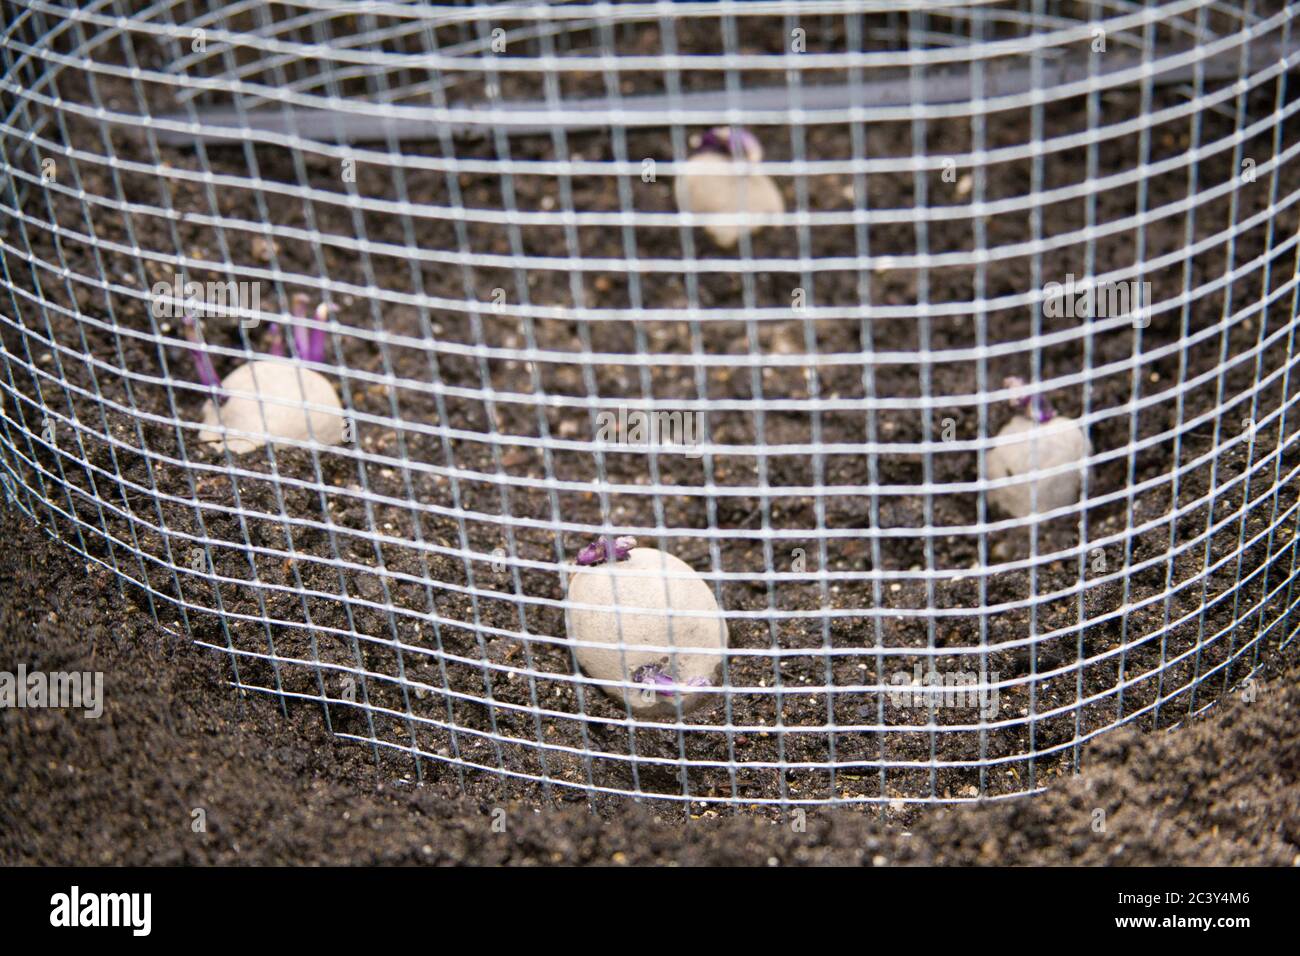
{"type": "Point", "coordinates": [638, 596]}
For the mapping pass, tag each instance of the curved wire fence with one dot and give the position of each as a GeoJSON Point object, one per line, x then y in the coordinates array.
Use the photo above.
{"type": "Point", "coordinates": [526, 344]}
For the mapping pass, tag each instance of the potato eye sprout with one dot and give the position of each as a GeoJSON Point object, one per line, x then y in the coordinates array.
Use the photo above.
{"type": "Point", "coordinates": [655, 676]}
{"type": "Point", "coordinates": [719, 179]}
{"type": "Point", "coordinates": [269, 399]}
{"type": "Point", "coordinates": [641, 616]}
{"type": "Point", "coordinates": [602, 550]}
{"type": "Point", "coordinates": [1049, 451]}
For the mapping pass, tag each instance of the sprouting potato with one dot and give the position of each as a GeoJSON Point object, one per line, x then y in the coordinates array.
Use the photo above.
{"type": "Point", "coordinates": [635, 592]}
{"type": "Point", "coordinates": [1048, 451]}
{"type": "Point", "coordinates": [270, 399]}
{"type": "Point", "coordinates": [718, 180]}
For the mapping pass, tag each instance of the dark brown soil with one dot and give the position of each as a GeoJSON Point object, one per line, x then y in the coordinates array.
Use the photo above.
{"type": "Point", "coordinates": [276, 789]}
{"type": "Point", "coordinates": [308, 588]}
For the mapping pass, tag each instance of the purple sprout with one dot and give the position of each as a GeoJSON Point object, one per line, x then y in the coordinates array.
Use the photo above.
{"type": "Point", "coordinates": [1034, 405]}
{"type": "Point", "coordinates": [309, 343]}
{"type": "Point", "coordinates": [203, 367]}
{"type": "Point", "coordinates": [654, 675]}
{"type": "Point", "coordinates": [734, 141]}
{"type": "Point", "coordinates": [603, 549]}
{"type": "Point", "coordinates": [275, 339]}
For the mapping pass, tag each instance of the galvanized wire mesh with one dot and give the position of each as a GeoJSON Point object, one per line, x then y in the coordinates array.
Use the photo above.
{"type": "Point", "coordinates": [485, 194]}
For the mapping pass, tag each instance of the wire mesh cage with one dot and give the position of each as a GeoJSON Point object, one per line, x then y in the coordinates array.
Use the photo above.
{"type": "Point", "coordinates": [768, 287]}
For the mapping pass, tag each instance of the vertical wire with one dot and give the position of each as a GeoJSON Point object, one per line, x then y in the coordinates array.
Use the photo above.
{"type": "Point", "coordinates": [1226, 321]}
{"type": "Point", "coordinates": [686, 237]}
{"type": "Point", "coordinates": [1184, 318]}
{"type": "Point", "coordinates": [1035, 376]}
{"type": "Point", "coordinates": [1135, 372]}
{"type": "Point", "coordinates": [980, 317]}
{"type": "Point", "coordinates": [378, 87]}
{"type": "Point", "coordinates": [1089, 269]}
{"type": "Point", "coordinates": [730, 46]}
{"type": "Point", "coordinates": [455, 199]}
{"type": "Point", "coordinates": [812, 375]}
{"type": "Point", "coordinates": [510, 204]}
{"type": "Point", "coordinates": [918, 25]}
{"type": "Point", "coordinates": [861, 142]}
{"type": "Point", "coordinates": [560, 143]}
